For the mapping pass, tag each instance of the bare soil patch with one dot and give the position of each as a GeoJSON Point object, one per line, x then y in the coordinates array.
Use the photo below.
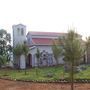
{"type": "Point", "coordinates": [16, 85]}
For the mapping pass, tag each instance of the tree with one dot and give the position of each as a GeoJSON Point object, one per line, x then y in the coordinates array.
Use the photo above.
{"type": "Point", "coordinates": [57, 51]}
{"type": "Point", "coordinates": [25, 50]}
{"type": "Point", "coordinates": [87, 51]}
{"type": "Point", "coordinates": [3, 60]}
{"type": "Point", "coordinates": [3, 33]}
{"type": "Point", "coordinates": [5, 39]}
{"type": "Point", "coordinates": [38, 54]}
{"type": "Point", "coordinates": [5, 36]}
{"type": "Point", "coordinates": [17, 51]}
{"type": "Point", "coordinates": [73, 52]}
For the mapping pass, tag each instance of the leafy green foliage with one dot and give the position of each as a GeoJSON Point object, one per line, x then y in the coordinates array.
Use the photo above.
{"type": "Point", "coordinates": [17, 50]}
{"type": "Point", "coordinates": [25, 49]}
{"type": "Point", "coordinates": [87, 50]}
{"type": "Point", "coordinates": [3, 60]}
{"type": "Point", "coordinates": [5, 40]}
{"type": "Point", "coordinates": [57, 51]}
{"type": "Point", "coordinates": [38, 54]}
{"type": "Point", "coordinates": [20, 49]}
{"type": "Point", "coordinates": [73, 52]}
{"type": "Point", "coordinates": [87, 43]}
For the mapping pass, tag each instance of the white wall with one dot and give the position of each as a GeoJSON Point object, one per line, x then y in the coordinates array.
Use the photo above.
{"type": "Point", "coordinates": [22, 62]}
{"type": "Point", "coordinates": [47, 49]}
{"type": "Point", "coordinates": [17, 37]}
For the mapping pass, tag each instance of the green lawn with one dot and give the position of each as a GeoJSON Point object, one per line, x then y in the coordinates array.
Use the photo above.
{"type": "Point", "coordinates": [84, 74]}
{"type": "Point", "coordinates": [56, 72]}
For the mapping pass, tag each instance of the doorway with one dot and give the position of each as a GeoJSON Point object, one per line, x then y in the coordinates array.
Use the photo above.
{"type": "Point", "coordinates": [29, 61]}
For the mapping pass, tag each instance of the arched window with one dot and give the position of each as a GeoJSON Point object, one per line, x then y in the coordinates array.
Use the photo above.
{"type": "Point", "coordinates": [22, 31]}
{"type": "Point", "coordinates": [18, 30]}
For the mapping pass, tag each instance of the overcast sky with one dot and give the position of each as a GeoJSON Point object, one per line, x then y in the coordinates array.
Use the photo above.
{"type": "Point", "coordinates": [46, 15]}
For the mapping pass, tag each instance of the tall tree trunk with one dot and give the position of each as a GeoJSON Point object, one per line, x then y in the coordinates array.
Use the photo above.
{"type": "Point", "coordinates": [72, 76]}
{"type": "Point", "coordinates": [18, 63]}
{"type": "Point", "coordinates": [25, 72]}
{"type": "Point", "coordinates": [25, 66]}
{"type": "Point", "coordinates": [86, 57]}
{"type": "Point", "coordinates": [37, 67]}
{"type": "Point", "coordinates": [56, 61]}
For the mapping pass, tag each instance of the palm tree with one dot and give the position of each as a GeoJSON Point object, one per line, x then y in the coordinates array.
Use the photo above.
{"type": "Point", "coordinates": [57, 51]}
{"type": "Point", "coordinates": [17, 51]}
{"type": "Point", "coordinates": [73, 52]}
{"type": "Point", "coordinates": [38, 54]}
{"type": "Point", "coordinates": [25, 50]}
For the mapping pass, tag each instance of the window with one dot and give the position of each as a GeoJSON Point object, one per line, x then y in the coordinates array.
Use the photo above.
{"type": "Point", "coordinates": [18, 30]}
{"type": "Point", "coordinates": [22, 31]}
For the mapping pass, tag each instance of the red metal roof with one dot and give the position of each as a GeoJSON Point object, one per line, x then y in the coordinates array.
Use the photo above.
{"type": "Point", "coordinates": [42, 41]}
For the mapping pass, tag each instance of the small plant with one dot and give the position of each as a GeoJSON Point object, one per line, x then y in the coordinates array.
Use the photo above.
{"type": "Point", "coordinates": [49, 75]}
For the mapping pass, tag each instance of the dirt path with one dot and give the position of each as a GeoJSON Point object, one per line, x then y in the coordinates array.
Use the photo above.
{"type": "Point", "coordinates": [14, 85]}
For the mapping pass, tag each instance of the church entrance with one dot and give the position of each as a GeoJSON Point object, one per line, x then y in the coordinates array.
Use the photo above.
{"type": "Point", "coordinates": [29, 61]}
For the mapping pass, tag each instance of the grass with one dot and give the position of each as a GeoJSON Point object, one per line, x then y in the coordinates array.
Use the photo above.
{"type": "Point", "coordinates": [57, 72]}
{"type": "Point", "coordinates": [84, 74]}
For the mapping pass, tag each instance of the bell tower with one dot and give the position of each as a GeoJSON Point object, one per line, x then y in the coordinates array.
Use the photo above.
{"type": "Point", "coordinates": [19, 34]}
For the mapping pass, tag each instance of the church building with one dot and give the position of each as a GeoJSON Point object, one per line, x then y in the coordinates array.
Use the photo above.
{"type": "Point", "coordinates": [41, 40]}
